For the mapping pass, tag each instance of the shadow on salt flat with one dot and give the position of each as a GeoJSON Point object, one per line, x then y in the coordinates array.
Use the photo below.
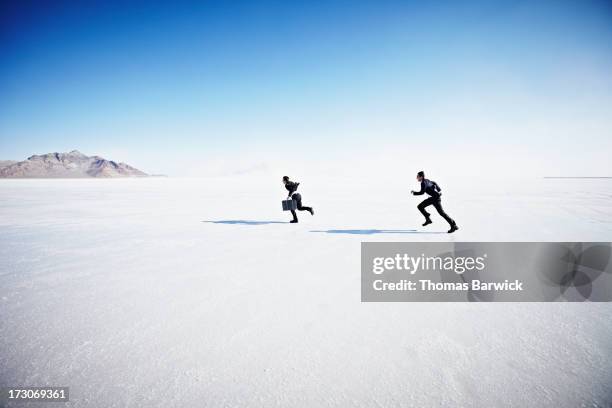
{"type": "Point", "coordinates": [375, 231]}
{"type": "Point", "coordinates": [245, 222]}
{"type": "Point", "coordinates": [331, 231]}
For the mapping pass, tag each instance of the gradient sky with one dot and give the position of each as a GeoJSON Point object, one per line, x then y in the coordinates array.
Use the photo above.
{"type": "Point", "coordinates": [213, 87]}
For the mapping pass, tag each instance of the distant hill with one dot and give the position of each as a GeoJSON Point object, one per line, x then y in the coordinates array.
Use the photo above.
{"type": "Point", "coordinates": [5, 163]}
{"type": "Point", "coordinates": [67, 165]}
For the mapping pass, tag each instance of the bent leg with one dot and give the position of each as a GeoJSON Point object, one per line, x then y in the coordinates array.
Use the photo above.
{"type": "Point", "coordinates": [425, 203]}
{"type": "Point", "coordinates": [300, 207]}
{"type": "Point", "coordinates": [438, 206]}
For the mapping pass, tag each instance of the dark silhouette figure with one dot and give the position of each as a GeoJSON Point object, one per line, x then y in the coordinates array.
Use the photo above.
{"type": "Point", "coordinates": [435, 192]}
{"type": "Point", "coordinates": [292, 186]}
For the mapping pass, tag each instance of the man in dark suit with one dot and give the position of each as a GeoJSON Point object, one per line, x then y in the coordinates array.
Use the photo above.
{"type": "Point", "coordinates": [292, 186]}
{"type": "Point", "coordinates": [435, 192]}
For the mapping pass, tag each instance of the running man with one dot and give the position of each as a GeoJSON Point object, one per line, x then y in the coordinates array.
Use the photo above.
{"type": "Point", "coordinates": [435, 192]}
{"type": "Point", "coordinates": [292, 186]}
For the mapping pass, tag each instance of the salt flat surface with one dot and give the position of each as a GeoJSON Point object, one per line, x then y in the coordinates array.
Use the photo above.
{"type": "Point", "coordinates": [125, 291]}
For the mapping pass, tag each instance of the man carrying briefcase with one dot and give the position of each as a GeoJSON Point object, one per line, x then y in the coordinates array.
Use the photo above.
{"type": "Point", "coordinates": [294, 200]}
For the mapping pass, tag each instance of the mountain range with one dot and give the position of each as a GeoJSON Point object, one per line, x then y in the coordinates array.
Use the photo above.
{"type": "Point", "coordinates": [73, 164]}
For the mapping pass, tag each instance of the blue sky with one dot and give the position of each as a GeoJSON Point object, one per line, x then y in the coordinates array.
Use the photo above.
{"type": "Point", "coordinates": [157, 84]}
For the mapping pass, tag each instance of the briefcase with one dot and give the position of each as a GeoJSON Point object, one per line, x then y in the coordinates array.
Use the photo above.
{"type": "Point", "coordinates": [289, 205]}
